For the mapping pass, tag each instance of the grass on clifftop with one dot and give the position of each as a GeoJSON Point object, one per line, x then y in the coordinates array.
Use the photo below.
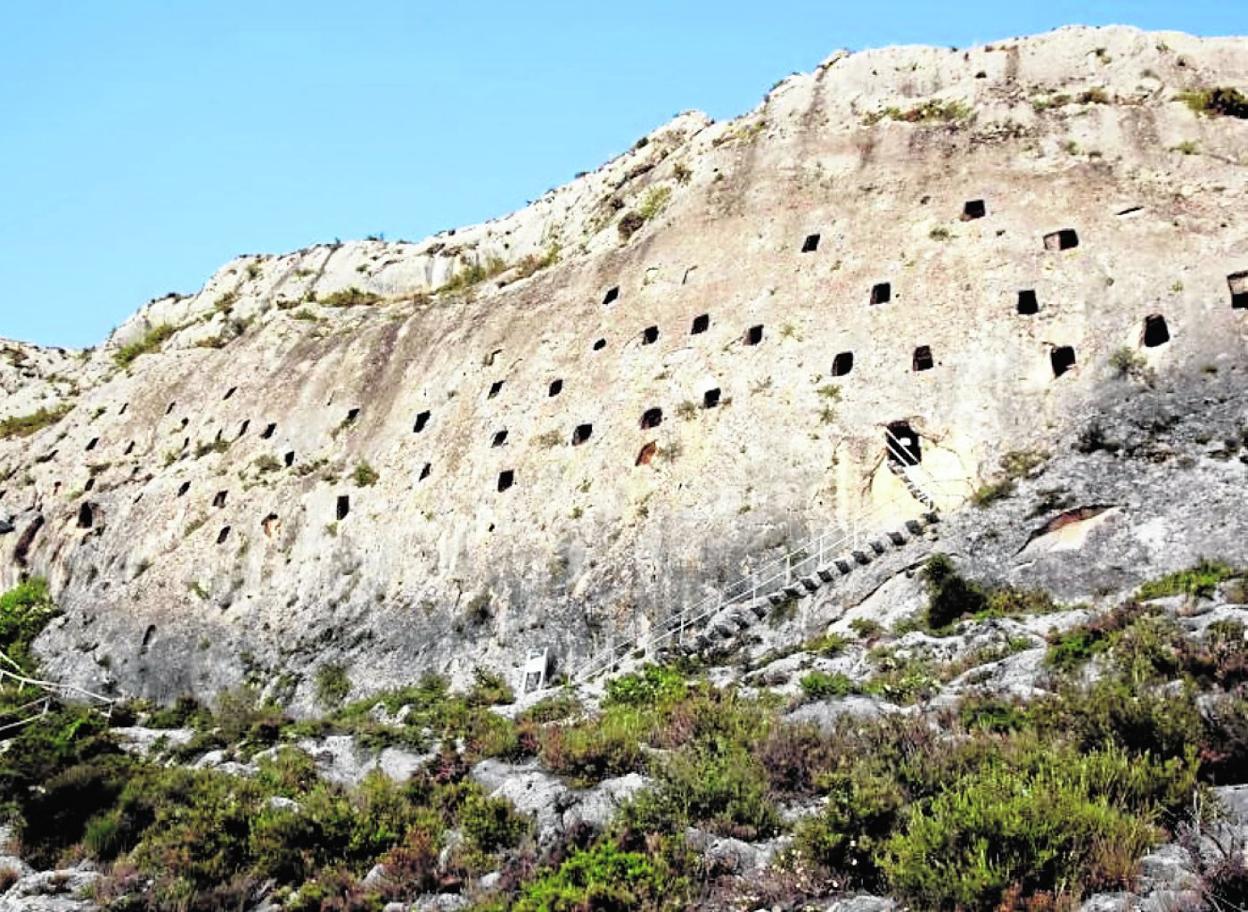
{"type": "Point", "coordinates": [25, 425]}
{"type": "Point", "coordinates": [151, 342]}
{"type": "Point", "coordinates": [1228, 102]}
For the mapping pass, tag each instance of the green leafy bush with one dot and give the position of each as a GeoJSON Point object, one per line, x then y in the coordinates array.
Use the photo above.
{"type": "Point", "coordinates": [820, 685]}
{"type": "Point", "coordinates": [332, 685]}
{"type": "Point", "coordinates": [152, 340]}
{"type": "Point", "coordinates": [1051, 821]}
{"type": "Point", "coordinates": [1228, 102]}
{"type": "Point", "coordinates": [603, 877]}
{"type": "Point", "coordinates": [1199, 581]}
{"type": "Point", "coordinates": [653, 686]}
{"type": "Point", "coordinates": [25, 425]}
{"type": "Point", "coordinates": [350, 297]}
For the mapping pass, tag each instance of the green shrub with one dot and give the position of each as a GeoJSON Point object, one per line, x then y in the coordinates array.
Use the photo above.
{"type": "Point", "coordinates": [350, 297]}
{"type": "Point", "coordinates": [332, 685]}
{"type": "Point", "coordinates": [992, 492]}
{"type": "Point", "coordinates": [489, 689]}
{"type": "Point", "coordinates": [492, 824]}
{"type": "Point", "coordinates": [364, 475]}
{"type": "Point", "coordinates": [555, 708]}
{"type": "Point", "coordinates": [151, 342]}
{"type": "Point", "coordinates": [1052, 821]}
{"type": "Point", "coordinates": [819, 685]}
{"type": "Point", "coordinates": [862, 809]}
{"type": "Point", "coordinates": [1200, 581]}
{"type": "Point", "coordinates": [24, 611]}
{"type": "Point", "coordinates": [605, 878]}
{"type": "Point", "coordinates": [473, 273]}
{"type": "Point", "coordinates": [1228, 102]}
{"type": "Point", "coordinates": [828, 645]}
{"type": "Point", "coordinates": [718, 787]}
{"type": "Point", "coordinates": [950, 596]}
{"type": "Point", "coordinates": [652, 686]}
{"type": "Point", "coordinates": [25, 425]}
{"type": "Point", "coordinates": [597, 749]}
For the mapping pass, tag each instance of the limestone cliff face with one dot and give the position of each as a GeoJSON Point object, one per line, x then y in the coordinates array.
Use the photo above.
{"type": "Point", "coordinates": [666, 369]}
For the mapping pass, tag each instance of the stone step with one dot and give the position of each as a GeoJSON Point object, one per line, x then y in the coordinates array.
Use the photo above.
{"type": "Point", "coordinates": [897, 537]}
{"type": "Point", "coordinates": [793, 591]}
{"type": "Point", "coordinates": [862, 556]}
{"type": "Point", "coordinates": [827, 574]}
{"type": "Point", "coordinates": [844, 565]}
{"type": "Point", "coordinates": [811, 582]}
{"type": "Point", "coordinates": [878, 546]}
{"type": "Point", "coordinates": [761, 608]}
{"type": "Point", "coordinates": [777, 598]}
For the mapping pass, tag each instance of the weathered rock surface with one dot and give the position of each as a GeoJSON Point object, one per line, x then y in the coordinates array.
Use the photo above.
{"type": "Point", "coordinates": [201, 518]}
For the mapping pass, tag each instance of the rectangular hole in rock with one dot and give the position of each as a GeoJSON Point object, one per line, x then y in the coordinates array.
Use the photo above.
{"type": "Point", "coordinates": [754, 335]}
{"type": "Point", "coordinates": [352, 415]}
{"type": "Point", "coordinates": [612, 295]}
{"type": "Point", "coordinates": [811, 244]}
{"type": "Point", "coordinates": [1062, 357]}
{"type": "Point", "coordinates": [289, 458]}
{"type": "Point", "coordinates": [600, 345]}
{"type": "Point", "coordinates": [172, 406]}
{"type": "Point", "coordinates": [902, 444]}
{"type": "Point", "coordinates": [124, 407]}
{"type": "Point", "coordinates": [556, 387]}
{"type": "Point", "coordinates": [646, 453]}
{"type": "Point", "coordinates": [842, 364]}
{"type": "Point", "coordinates": [1238, 282]}
{"type": "Point", "coordinates": [922, 359]}
{"type": "Point", "coordinates": [424, 472]}
{"type": "Point", "coordinates": [500, 438]}
{"type": "Point", "coordinates": [219, 500]}
{"type": "Point", "coordinates": [230, 392]}
{"type": "Point", "coordinates": [710, 398]}
{"type": "Point", "coordinates": [701, 324]}
{"type": "Point", "coordinates": [651, 418]}
{"type": "Point", "coordinates": [183, 488]}
{"type": "Point", "coordinates": [269, 430]}
{"type": "Point", "coordinates": [974, 209]}
{"type": "Point", "coordinates": [92, 443]}
{"type": "Point", "coordinates": [1156, 332]}
{"type": "Point", "coordinates": [129, 448]}
{"type": "Point", "coordinates": [242, 428]}
{"type": "Point", "coordinates": [1028, 304]}
{"type": "Point", "coordinates": [1066, 239]}
{"type": "Point", "coordinates": [495, 388]}
{"type": "Point", "coordinates": [881, 293]}
{"type": "Point", "coordinates": [223, 535]}
{"type": "Point", "coordinates": [649, 335]}
{"type": "Point", "coordinates": [90, 484]}
{"type": "Point", "coordinates": [421, 420]}
{"type": "Point", "coordinates": [506, 479]}
{"type": "Point", "coordinates": [344, 507]}
{"type": "Point", "coordinates": [86, 516]}
{"type": "Point", "coordinates": [582, 433]}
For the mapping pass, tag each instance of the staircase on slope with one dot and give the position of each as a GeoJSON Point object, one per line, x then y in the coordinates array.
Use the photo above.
{"type": "Point", "coordinates": [715, 622]}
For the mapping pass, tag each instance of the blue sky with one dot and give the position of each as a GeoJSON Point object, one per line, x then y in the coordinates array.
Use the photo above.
{"type": "Point", "coordinates": [142, 144]}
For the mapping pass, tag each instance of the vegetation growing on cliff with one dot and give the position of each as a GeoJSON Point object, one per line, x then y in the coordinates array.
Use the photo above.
{"type": "Point", "coordinates": [974, 807]}
{"type": "Point", "coordinates": [25, 425]}
{"type": "Point", "coordinates": [152, 341]}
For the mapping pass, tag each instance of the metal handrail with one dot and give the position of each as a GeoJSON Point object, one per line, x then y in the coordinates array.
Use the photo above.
{"type": "Point", "coordinates": [781, 573]}
{"type": "Point", "coordinates": [53, 688]}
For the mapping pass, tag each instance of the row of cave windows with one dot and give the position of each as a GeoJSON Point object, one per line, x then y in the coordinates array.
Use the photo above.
{"type": "Point", "coordinates": [1062, 359]}
{"type": "Point", "coordinates": [1026, 304]}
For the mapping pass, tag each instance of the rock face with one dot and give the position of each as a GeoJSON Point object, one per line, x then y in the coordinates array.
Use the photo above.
{"type": "Point", "coordinates": [558, 427]}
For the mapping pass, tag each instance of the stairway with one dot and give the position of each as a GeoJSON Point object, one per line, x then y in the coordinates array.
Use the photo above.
{"type": "Point", "coordinates": [726, 625]}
